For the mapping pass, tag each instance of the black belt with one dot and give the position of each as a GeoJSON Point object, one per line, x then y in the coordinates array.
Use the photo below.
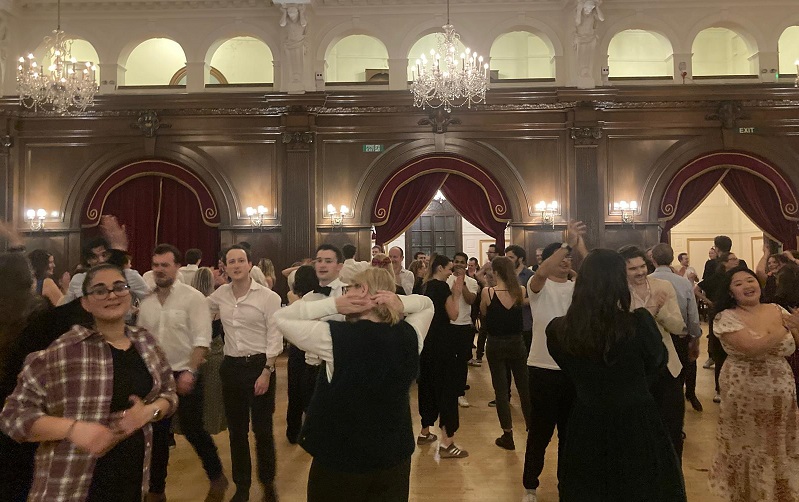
{"type": "Point", "coordinates": [252, 358]}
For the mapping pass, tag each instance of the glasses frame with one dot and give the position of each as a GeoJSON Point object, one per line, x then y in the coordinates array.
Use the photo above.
{"type": "Point", "coordinates": [119, 289]}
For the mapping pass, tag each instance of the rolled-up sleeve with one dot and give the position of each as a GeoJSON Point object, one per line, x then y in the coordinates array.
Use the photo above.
{"type": "Point", "coordinates": [27, 403]}
{"type": "Point", "coordinates": [274, 338]}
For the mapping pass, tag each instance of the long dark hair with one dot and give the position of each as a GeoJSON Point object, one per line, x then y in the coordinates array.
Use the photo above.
{"type": "Point", "coordinates": [724, 299]}
{"type": "Point", "coordinates": [596, 319]}
{"type": "Point", "coordinates": [438, 261]}
{"type": "Point", "coordinates": [305, 280]}
{"type": "Point", "coordinates": [17, 301]}
{"type": "Point", "coordinates": [787, 293]}
{"type": "Point", "coordinates": [503, 268]}
{"type": "Point", "coordinates": [40, 261]}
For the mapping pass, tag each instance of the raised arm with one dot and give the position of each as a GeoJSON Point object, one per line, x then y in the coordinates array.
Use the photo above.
{"type": "Point", "coordinates": [760, 269]}
{"type": "Point", "coordinates": [573, 238]}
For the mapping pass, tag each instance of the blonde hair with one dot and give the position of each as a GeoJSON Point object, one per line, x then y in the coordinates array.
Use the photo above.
{"type": "Point", "coordinates": [376, 279]}
{"type": "Point", "coordinates": [267, 268]}
{"type": "Point", "coordinates": [203, 281]}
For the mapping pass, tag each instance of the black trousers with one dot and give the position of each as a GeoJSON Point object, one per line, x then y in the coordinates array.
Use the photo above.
{"type": "Point", "coordinates": [667, 391]}
{"type": "Point", "coordinates": [506, 354]}
{"type": "Point", "coordinates": [16, 468]}
{"type": "Point", "coordinates": [465, 338]}
{"type": "Point", "coordinates": [238, 376]}
{"type": "Point", "coordinates": [382, 485]}
{"type": "Point", "coordinates": [551, 399]}
{"type": "Point", "coordinates": [682, 345]}
{"type": "Point", "coordinates": [438, 390]}
{"type": "Point", "coordinates": [190, 414]}
{"type": "Point", "coordinates": [482, 335]}
{"type": "Point", "coordinates": [301, 384]}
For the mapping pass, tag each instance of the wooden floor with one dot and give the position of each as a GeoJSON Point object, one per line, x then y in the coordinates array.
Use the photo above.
{"type": "Point", "coordinates": [489, 473]}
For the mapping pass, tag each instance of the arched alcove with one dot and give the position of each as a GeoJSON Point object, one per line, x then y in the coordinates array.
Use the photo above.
{"type": "Point", "coordinates": [424, 45]}
{"type": "Point", "coordinates": [244, 60]}
{"type": "Point", "coordinates": [640, 53]}
{"type": "Point", "coordinates": [522, 55]}
{"type": "Point", "coordinates": [789, 50]}
{"type": "Point", "coordinates": [357, 58]}
{"type": "Point", "coordinates": [154, 62]}
{"type": "Point", "coordinates": [719, 51]}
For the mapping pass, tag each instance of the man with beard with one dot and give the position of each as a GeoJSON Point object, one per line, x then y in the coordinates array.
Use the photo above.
{"type": "Point", "coordinates": [178, 317]}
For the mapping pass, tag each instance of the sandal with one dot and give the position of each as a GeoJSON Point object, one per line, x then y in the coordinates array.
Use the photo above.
{"type": "Point", "coordinates": [426, 439]}
{"type": "Point", "coordinates": [452, 451]}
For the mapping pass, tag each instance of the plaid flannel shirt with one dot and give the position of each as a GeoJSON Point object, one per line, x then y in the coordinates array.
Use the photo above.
{"type": "Point", "coordinates": [73, 378]}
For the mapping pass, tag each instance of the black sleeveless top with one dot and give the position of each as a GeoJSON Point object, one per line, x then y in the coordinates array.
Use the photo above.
{"type": "Point", "coordinates": [501, 321]}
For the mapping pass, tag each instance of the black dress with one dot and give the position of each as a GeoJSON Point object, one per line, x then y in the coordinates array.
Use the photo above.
{"type": "Point", "coordinates": [117, 475]}
{"type": "Point", "coordinates": [616, 448]}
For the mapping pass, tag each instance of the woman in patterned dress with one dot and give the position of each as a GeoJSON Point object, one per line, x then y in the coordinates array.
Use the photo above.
{"type": "Point", "coordinates": [758, 432]}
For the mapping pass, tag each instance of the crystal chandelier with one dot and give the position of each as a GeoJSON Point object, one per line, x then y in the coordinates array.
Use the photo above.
{"type": "Point", "coordinates": [65, 84]}
{"type": "Point", "coordinates": [449, 79]}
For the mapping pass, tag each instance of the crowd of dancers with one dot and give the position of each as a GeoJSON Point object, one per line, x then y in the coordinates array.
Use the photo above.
{"type": "Point", "coordinates": [99, 369]}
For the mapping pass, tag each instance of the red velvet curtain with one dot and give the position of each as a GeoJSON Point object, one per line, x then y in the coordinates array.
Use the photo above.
{"type": "Point", "coordinates": [693, 193]}
{"type": "Point", "coordinates": [409, 202]}
{"type": "Point", "coordinates": [757, 200]}
{"type": "Point", "coordinates": [157, 210]}
{"type": "Point", "coordinates": [470, 201]}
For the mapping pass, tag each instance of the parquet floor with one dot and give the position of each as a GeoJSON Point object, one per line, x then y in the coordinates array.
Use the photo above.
{"type": "Point", "coordinates": [489, 473]}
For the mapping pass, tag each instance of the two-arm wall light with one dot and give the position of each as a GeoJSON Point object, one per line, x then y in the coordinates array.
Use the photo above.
{"type": "Point", "coordinates": [548, 212]}
{"type": "Point", "coordinates": [36, 218]}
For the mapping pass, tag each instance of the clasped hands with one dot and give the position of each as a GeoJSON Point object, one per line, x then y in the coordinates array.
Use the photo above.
{"type": "Point", "coordinates": [360, 301]}
{"type": "Point", "coordinates": [98, 439]}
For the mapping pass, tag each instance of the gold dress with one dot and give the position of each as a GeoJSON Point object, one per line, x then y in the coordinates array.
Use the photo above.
{"type": "Point", "coordinates": [758, 432]}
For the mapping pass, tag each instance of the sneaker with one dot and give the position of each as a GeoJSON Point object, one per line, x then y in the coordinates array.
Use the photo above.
{"type": "Point", "coordinates": [709, 363]}
{"type": "Point", "coordinates": [529, 496]}
{"type": "Point", "coordinates": [452, 451]}
{"type": "Point", "coordinates": [717, 398]}
{"type": "Point", "coordinates": [492, 403]}
{"type": "Point", "coordinates": [462, 402]}
{"type": "Point", "coordinates": [506, 441]}
{"type": "Point", "coordinates": [476, 362]}
{"type": "Point", "coordinates": [426, 439]}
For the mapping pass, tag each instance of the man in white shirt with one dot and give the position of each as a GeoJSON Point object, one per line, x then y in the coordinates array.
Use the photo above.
{"type": "Point", "coordinates": [252, 343]}
{"type": "Point", "coordinates": [686, 270]}
{"type": "Point", "coordinates": [351, 267]}
{"type": "Point", "coordinates": [462, 326]}
{"type": "Point", "coordinates": [177, 316]}
{"type": "Point", "coordinates": [303, 367]}
{"type": "Point", "coordinates": [404, 278]}
{"type": "Point", "coordinates": [193, 258]}
{"type": "Point", "coordinates": [551, 393]}
{"type": "Point", "coordinates": [659, 297]}
{"type": "Point", "coordinates": [149, 279]}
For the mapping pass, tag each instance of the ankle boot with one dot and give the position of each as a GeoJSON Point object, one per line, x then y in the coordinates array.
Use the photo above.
{"type": "Point", "coordinates": [506, 441]}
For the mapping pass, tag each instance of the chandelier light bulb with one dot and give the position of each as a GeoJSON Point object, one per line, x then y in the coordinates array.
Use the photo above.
{"type": "Point", "coordinates": [41, 213]}
{"type": "Point", "coordinates": [30, 214]}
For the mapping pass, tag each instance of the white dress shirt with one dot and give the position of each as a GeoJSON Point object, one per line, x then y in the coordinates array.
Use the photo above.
{"type": "Point", "coordinates": [300, 325]}
{"type": "Point", "coordinates": [188, 272]}
{"type": "Point", "coordinates": [464, 309]}
{"type": "Point", "coordinates": [248, 324]}
{"type": "Point", "coordinates": [258, 276]}
{"type": "Point", "coordinates": [669, 319]}
{"type": "Point", "coordinates": [406, 281]}
{"type": "Point", "coordinates": [149, 279]}
{"type": "Point", "coordinates": [180, 325]}
{"type": "Point", "coordinates": [336, 289]}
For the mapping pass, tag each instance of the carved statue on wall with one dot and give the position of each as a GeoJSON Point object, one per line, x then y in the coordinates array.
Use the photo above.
{"type": "Point", "coordinates": [585, 20]}
{"type": "Point", "coordinates": [294, 49]}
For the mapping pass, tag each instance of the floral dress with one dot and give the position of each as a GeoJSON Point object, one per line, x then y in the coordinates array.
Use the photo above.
{"type": "Point", "coordinates": [758, 431]}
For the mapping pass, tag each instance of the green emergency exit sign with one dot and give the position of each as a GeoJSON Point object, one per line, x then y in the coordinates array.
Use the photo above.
{"type": "Point", "coordinates": [373, 148]}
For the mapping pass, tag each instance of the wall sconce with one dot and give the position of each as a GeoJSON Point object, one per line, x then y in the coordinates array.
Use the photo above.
{"type": "Point", "coordinates": [337, 217]}
{"type": "Point", "coordinates": [547, 211]}
{"type": "Point", "coordinates": [257, 215]}
{"type": "Point", "coordinates": [627, 210]}
{"type": "Point", "coordinates": [36, 218]}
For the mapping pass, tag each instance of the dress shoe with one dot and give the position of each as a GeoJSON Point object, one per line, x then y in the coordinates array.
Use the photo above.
{"type": "Point", "coordinates": [695, 404]}
{"type": "Point", "coordinates": [242, 494]}
{"type": "Point", "coordinates": [216, 493]}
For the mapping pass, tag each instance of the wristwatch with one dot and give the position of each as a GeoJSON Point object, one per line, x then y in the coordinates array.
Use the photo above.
{"type": "Point", "coordinates": [156, 415]}
{"type": "Point", "coordinates": [269, 368]}
{"type": "Point", "coordinates": [566, 246]}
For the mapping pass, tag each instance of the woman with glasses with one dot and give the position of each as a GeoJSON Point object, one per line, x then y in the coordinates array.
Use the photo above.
{"type": "Point", "coordinates": [89, 399]}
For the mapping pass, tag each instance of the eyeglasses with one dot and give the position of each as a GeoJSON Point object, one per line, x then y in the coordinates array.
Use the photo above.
{"type": "Point", "coordinates": [101, 292]}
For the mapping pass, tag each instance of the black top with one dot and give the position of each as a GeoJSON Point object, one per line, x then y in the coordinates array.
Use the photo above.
{"type": "Point", "coordinates": [417, 286]}
{"type": "Point", "coordinates": [118, 474]}
{"type": "Point", "coordinates": [617, 448]}
{"type": "Point", "coordinates": [361, 420]}
{"type": "Point", "coordinates": [437, 339]}
{"type": "Point", "coordinates": [501, 321]}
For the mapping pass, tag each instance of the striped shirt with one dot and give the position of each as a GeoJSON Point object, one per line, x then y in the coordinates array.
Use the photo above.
{"type": "Point", "coordinates": [73, 378]}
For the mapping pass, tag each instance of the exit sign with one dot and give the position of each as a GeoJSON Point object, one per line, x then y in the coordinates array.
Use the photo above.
{"type": "Point", "coordinates": [373, 148]}
{"type": "Point", "coordinates": [747, 130]}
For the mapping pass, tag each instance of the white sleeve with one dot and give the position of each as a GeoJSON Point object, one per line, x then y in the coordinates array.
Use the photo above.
{"type": "Point", "coordinates": [200, 321]}
{"type": "Point", "coordinates": [299, 326]}
{"type": "Point", "coordinates": [407, 282]}
{"type": "Point", "coordinates": [136, 283]}
{"type": "Point", "coordinates": [75, 289]}
{"type": "Point", "coordinates": [274, 338]}
{"type": "Point", "coordinates": [419, 311]}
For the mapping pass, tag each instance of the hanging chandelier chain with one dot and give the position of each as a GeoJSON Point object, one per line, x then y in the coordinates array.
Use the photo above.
{"type": "Point", "coordinates": [58, 9]}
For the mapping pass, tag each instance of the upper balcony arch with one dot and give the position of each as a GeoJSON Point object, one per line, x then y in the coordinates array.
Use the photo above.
{"type": "Point", "coordinates": [746, 30]}
{"type": "Point", "coordinates": [329, 39]}
{"type": "Point", "coordinates": [205, 51]}
{"type": "Point", "coordinates": [357, 58]}
{"type": "Point", "coordinates": [140, 67]}
{"type": "Point", "coordinates": [542, 30]}
{"type": "Point", "coordinates": [651, 24]}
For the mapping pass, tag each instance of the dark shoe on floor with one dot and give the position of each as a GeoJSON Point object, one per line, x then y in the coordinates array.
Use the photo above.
{"type": "Point", "coordinates": [242, 494]}
{"type": "Point", "coordinates": [293, 438]}
{"type": "Point", "coordinates": [695, 404]}
{"type": "Point", "coordinates": [492, 403]}
{"type": "Point", "coordinates": [216, 493]}
{"type": "Point", "coordinates": [506, 441]}
{"type": "Point", "coordinates": [155, 497]}
{"type": "Point", "coordinates": [422, 440]}
{"type": "Point", "coordinates": [452, 451]}
{"type": "Point", "coordinates": [270, 495]}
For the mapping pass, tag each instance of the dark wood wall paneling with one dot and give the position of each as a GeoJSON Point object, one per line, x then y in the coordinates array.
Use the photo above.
{"type": "Point", "coordinates": [296, 154]}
